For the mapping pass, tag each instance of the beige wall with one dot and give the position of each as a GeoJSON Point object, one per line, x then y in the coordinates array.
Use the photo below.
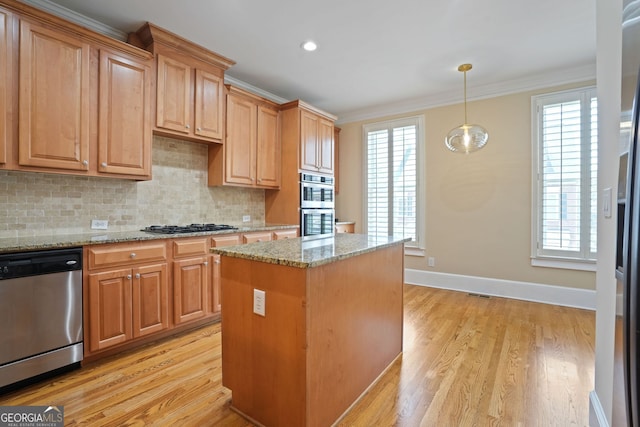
{"type": "Point", "coordinates": [478, 206]}
{"type": "Point", "coordinates": [38, 203]}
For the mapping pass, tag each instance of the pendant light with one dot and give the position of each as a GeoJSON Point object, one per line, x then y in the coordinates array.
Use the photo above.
{"type": "Point", "coordinates": [466, 138]}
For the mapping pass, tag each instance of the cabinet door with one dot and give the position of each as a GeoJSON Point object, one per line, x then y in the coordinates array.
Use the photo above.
{"type": "Point", "coordinates": [190, 285]}
{"type": "Point", "coordinates": [54, 99]}
{"type": "Point", "coordinates": [285, 234]}
{"type": "Point", "coordinates": [150, 299]}
{"type": "Point", "coordinates": [5, 84]}
{"type": "Point", "coordinates": [124, 140]}
{"type": "Point", "coordinates": [308, 141]}
{"type": "Point", "coordinates": [240, 143]}
{"type": "Point", "coordinates": [109, 308]}
{"type": "Point", "coordinates": [268, 152]}
{"type": "Point", "coordinates": [209, 100]}
{"type": "Point", "coordinates": [216, 300]}
{"type": "Point", "coordinates": [325, 146]}
{"type": "Point", "coordinates": [173, 102]}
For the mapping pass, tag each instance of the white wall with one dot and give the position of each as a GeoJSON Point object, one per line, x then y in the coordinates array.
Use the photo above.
{"type": "Point", "coordinates": [609, 42]}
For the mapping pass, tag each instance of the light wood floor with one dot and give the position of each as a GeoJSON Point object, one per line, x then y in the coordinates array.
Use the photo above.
{"type": "Point", "coordinates": [467, 361]}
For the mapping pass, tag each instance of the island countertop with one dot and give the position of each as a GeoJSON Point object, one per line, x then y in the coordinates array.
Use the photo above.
{"type": "Point", "coordinates": [309, 253]}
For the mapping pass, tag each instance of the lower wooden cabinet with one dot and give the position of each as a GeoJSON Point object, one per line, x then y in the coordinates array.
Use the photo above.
{"type": "Point", "coordinates": [127, 303]}
{"type": "Point", "coordinates": [134, 292]}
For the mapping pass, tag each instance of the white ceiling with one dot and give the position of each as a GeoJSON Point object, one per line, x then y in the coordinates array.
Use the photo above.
{"type": "Point", "coordinates": [377, 56]}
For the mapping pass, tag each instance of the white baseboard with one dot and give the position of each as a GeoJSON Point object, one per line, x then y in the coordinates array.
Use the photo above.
{"type": "Point", "coordinates": [535, 292]}
{"type": "Point", "coordinates": [597, 417]}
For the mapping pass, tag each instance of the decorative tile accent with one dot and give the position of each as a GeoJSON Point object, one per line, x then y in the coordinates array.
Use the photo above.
{"type": "Point", "coordinates": [34, 204]}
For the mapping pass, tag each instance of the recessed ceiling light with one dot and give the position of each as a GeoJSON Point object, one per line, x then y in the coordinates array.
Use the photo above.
{"type": "Point", "coordinates": [309, 46]}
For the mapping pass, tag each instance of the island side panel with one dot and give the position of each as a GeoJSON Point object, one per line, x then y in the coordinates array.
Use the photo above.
{"type": "Point", "coordinates": [355, 318]}
{"type": "Point", "coordinates": [263, 358]}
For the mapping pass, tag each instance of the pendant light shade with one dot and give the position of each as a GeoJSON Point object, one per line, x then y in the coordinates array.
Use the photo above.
{"type": "Point", "coordinates": [466, 138]}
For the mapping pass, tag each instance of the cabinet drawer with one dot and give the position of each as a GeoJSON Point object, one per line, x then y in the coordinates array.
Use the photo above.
{"type": "Point", "coordinates": [190, 247]}
{"type": "Point", "coordinates": [285, 234]}
{"type": "Point", "coordinates": [108, 256]}
{"type": "Point", "coordinates": [219, 241]}
{"type": "Point", "coordinates": [256, 237]}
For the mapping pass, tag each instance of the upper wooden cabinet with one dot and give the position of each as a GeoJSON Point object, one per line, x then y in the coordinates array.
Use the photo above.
{"type": "Point", "coordinates": [54, 99]}
{"type": "Point", "coordinates": [190, 79]}
{"type": "Point", "coordinates": [6, 22]}
{"type": "Point", "coordinates": [124, 139]}
{"type": "Point", "coordinates": [251, 153]}
{"type": "Point", "coordinates": [72, 101]}
{"type": "Point", "coordinates": [316, 142]}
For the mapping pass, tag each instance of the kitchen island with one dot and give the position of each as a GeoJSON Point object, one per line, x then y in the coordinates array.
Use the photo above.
{"type": "Point", "coordinates": [308, 326]}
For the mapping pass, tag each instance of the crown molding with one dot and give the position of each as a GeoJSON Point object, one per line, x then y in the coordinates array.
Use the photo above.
{"type": "Point", "coordinates": [253, 89]}
{"type": "Point", "coordinates": [524, 84]}
{"type": "Point", "coordinates": [77, 18]}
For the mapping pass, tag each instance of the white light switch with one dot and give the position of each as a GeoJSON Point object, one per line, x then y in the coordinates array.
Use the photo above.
{"type": "Point", "coordinates": [606, 202]}
{"type": "Point", "coordinates": [259, 302]}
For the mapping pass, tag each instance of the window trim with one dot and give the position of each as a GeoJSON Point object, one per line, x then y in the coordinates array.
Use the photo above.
{"type": "Point", "coordinates": [416, 248]}
{"type": "Point", "coordinates": [552, 260]}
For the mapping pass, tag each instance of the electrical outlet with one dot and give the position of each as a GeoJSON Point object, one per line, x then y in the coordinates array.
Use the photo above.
{"type": "Point", "coordinates": [259, 302]}
{"type": "Point", "coordinates": [246, 218]}
{"type": "Point", "coordinates": [99, 224]}
{"type": "Point", "coordinates": [431, 261]}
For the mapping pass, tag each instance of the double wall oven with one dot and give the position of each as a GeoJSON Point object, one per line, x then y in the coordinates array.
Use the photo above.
{"type": "Point", "coordinates": [317, 206]}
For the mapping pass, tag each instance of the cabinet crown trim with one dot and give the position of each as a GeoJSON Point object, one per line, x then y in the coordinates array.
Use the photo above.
{"type": "Point", "coordinates": [301, 104]}
{"type": "Point", "coordinates": [150, 34]}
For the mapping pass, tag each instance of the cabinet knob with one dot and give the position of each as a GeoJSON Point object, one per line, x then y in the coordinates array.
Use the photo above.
{"type": "Point", "coordinates": [103, 165]}
{"type": "Point", "coordinates": [188, 126]}
{"type": "Point", "coordinates": [128, 277]}
{"type": "Point", "coordinates": [137, 275]}
{"type": "Point", "coordinates": [199, 129]}
{"type": "Point", "coordinates": [133, 255]}
{"type": "Point", "coordinates": [217, 261]}
{"type": "Point", "coordinates": [259, 240]}
{"type": "Point", "coordinates": [205, 263]}
{"type": "Point", "coordinates": [85, 162]}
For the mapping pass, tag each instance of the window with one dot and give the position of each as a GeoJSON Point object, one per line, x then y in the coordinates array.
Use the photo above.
{"type": "Point", "coordinates": [565, 166]}
{"type": "Point", "coordinates": [393, 194]}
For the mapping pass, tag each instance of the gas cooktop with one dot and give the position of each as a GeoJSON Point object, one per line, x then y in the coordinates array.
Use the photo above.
{"type": "Point", "coordinates": [191, 228]}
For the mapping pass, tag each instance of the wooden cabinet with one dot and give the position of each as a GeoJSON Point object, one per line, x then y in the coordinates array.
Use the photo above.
{"type": "Point", "coordinates": [54, 99]}
{"type": "Point", "coordinates": [191, 272]}
{"type": "Point", "coordinates": [307, 145]}
{"type": "Point", "coordinates": [336, 159]}
{"type": "Point", "coordinates": [345, 227]}
{"type": "Point", "coordinates": [124, 139]}
{"type": "Point", "coordinates": [251, 153]}
{"type": "Point", "coordinates": [126, 295]}
{"type": "Point", "coordinates": [285, 234]}
{"type": "Point", "coordinates": [72, 101]}
{"type": "Point", "coordinates": [6, 24]}
{"type": "Point", "coordinates": [316, 143]}
{"type": "Point", "coordinates": [189, 94]}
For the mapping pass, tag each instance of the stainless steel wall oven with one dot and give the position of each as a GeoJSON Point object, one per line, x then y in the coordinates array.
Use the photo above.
{"type": "Point", "coordinates": [317, 206]}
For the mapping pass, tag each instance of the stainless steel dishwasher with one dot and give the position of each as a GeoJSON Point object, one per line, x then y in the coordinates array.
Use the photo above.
{"type": "Point", "coordinates": [40, 313]}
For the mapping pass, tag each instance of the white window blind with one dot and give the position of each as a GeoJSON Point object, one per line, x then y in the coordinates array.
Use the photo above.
{"type": "Point", "coordinates": [392, 179]}
{"type": "Point", "coordinates": [565, 185]}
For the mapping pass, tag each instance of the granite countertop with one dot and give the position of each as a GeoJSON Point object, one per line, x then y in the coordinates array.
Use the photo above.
{"type": "Point", "coordinates": [54, 241]}
{"type": "Point", "coordinates": [309, 253]}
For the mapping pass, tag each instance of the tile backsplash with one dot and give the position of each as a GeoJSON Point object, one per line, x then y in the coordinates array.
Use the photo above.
{"type": "Point", "coordinates": [40, 203]}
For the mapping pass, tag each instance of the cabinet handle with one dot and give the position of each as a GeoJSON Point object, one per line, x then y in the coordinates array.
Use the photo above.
{"type": "Point", "coordinates": [205, 263]}
{"type": "Point", "coordinates": [133, 255]}
{"type": "Point", "coordinates": [188, 127]}
{"type": "Point", "coordinates": [103, 165]}
{"type": "Point", "coordinates": [85, 162]}
{"type": "Point", "coordinates": [259, 240]}
{"type": "Point", "coordinates": [199, 129]}
{"type": "Point", "coordinates": [137, 275]}
{"type": "Point", "coordinates": [128, 277]}
{"type": "Point", "coordinates": [217, 261]}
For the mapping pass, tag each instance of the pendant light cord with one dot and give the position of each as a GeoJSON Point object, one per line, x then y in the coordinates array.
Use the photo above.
{"type": "Point", "coordinates": [465, 97]}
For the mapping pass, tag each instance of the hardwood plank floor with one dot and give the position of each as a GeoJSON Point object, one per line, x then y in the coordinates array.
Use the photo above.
{"type": "Point", "coordinates": [467, 361]}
